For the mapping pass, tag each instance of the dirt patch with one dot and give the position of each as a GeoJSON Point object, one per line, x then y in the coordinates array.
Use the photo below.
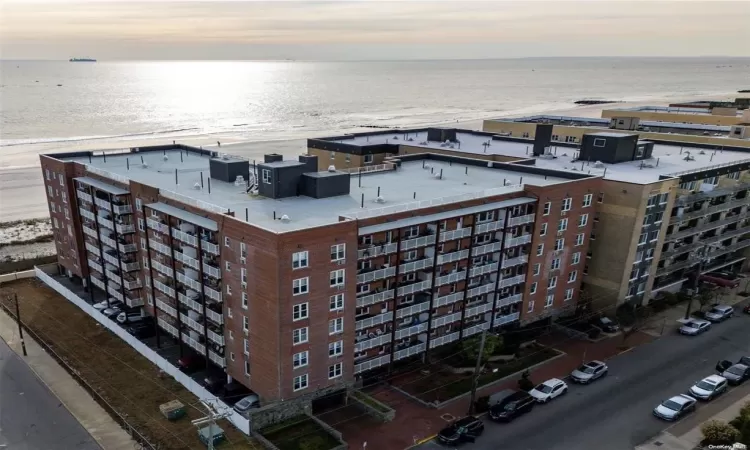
{"type": "Point", "coordinates": [126, 380]}
{"type": "Point", "coordinates": [288, 435]}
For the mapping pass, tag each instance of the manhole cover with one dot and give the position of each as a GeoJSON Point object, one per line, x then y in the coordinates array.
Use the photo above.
{"type": "Point", "coordinates": [448, 417]}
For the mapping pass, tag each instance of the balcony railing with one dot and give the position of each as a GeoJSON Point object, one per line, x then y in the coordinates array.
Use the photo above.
{"type": "Point", "coordinates": [487, 248]}
{"type": "Point", "coordinates": [156, 225]}
{"type": "Point", "coordinates": [520, 240]}
{"type": "Point", "coordinates": [451, 278]}
{"type": "Point", "coordinates": [216, 337]}
{"type": "Point", "coordinates": [87, 214]}
{"type": "Point", "coordinates": [706, 226]}
{"type": "Point", "coordinates": [508, 318]}
{"type": "Point", "coordinates": [456, 234]}
{"type": "Point", "coordinates": [211, 293]}
{"type": "Point", "coordinates": [189, 282]}
{"type": "Point", "coordinates": [122, 209]}
{"type": "Point", "coordinates": [84, 196]}
{"type": "Point", "coordinates": [374, 320]}
{"type": "Point", "coordinates": [105, 222]}
{"type": "Point", "coordinates": [687, 199]}
{"type": "Point", "coordinates": [108, 242]}
{"type": "Point", "coordinates": [488, 227]}
{"type": "Point", "coordinates": [185, 237]}
{"type": "Point", "coordinates": [102, 203]}
{"type": "Point", "coordinates": [446, 319]}
{"type": "Point", "coordinates": [191, 323]}
{"type": "Point", "coordinates": [125, 228]}
{"type": "Point", "coordinates": [481, 270]}
{"type": "Point", "coordinates": [127, 248]}
{"type": "Point", "coordinates": [169, 328]}
{"type": "Point", "coordinates": [516, 221]}
{"type": "Point", "coordinates": [415, 265]}
{"type": "Point", "coordinates": [115, 293]}
{"type": "Point", "coordinates": [161, 248]}
{"type": "Point", "coordinates": [209, 247]}
{"type": "Point", "coordinates": [211, 270]}
{"type": "Point", "coordinates": [187, 260]}
{"type": "Point", "coordinates": [216, 359]}
{"type": "Point", "coordinates": [518, 260]}
{"type": "Point", "coordinates": [479, 290]}
{"type": "Point", "coordinates": [413, 309]}
{"type": "Point", "coordinates": [408, 244]}
{"type": "Point", "coordinates": [90, 231]}
{"type": "Point", "coordinates": [194, 344]}
{"type": "Point", "coordinates": [134, 302]}
{"type": "Point", "coordinates": [411, 330]}
{"type": "Point", "coordinates": [376, 250]}
{"type": "Point", "coordinates": [190, 303]}
{"type": "Point", "coordinates": [509, 300]}
{"type": "Point", "coordinates": [131, 266]}
{"type": "Point", "coordinates": [112, 259]}
{"type": "Point", "coordinates": [480, 309]}
{"type": "Point", "coordinates": [709, 210]}
{"type": "Point", "coordinates": [453, 256]}
{"type": "Point", "coordinates": [374, 298]}
{"type": "Point", "coordinates": [449, 299]}
{"type": "Point", "coordinates": [373, 342]}
{"type": "Point", "coordinates": [476, 328]}
{"type": "Point", "coordinates": [410, 351]}
{"type": "Point", "coordinates": [164, 288]}
{"type": "Point", "coordinates": [506, 282]}
{"type": "Point", "coordinates": [98, 283]}
{"type": "Point", "coordinates": [93, 249]}
{"type": "Point", "coordinates": [130, 285]}
{"type": "Point", "coordinates": [372, 363]}
{"type": "Point", "coordinates": [416, 287]}
{"type": "Point", "coordinates": [703, 241]}
{"type": "Point", "coordinates": [442, 340]}
{"type": "Point", "coordinates": [215, 317]}
{"type": "Point", "coordinates": [163, 306]}
{"type": "Point", "coordinates": [113, 277]}
{"type": "Point", "coordinates": [376, 275]}
{"type": "Point", "coordinates": [161, 268]}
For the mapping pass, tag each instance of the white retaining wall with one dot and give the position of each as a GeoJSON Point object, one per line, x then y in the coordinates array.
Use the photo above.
{"type": "Point", "coordinates": [191, 385]}
{"type": "Point", "coordinates": [6, 277]}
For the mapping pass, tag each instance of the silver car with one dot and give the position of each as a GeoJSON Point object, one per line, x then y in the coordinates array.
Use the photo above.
{"type": "Point", "coordinates": [675, 407]}
{"type": "Point", "coordinates": [589, 372]}
{"type": "Point", "coordinates": [694, 327]}
{"type": "Point", "coordinates": [719, 313]}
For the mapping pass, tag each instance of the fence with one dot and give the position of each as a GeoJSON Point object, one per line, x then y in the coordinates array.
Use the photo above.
{"type": "Point", "coordinates": [7, 277]}
{"type": "Point", "coordinates": [191, 385]}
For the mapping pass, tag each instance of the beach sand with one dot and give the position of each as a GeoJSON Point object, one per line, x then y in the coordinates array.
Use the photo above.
{"type": "Point", "coordinates": [22, 189]}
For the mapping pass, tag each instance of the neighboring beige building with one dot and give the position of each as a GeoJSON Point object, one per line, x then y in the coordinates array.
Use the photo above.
{"type": "Point", "coordinates": [704, 116]}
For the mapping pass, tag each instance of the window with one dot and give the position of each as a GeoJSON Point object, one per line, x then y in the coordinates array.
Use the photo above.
{"type": "Point", "coordinates": [266, 176]}
{"type": "Point", "coordinates": [555, 137]}
{"type": "Point", "coordinates": [300, 286]}
{"type": "Point", "coordinates": [228, 266]}
{"type": "Point", "coordinates": [646, 219]}
{"type": "Point", "coordinates": [583, 220]}
{"type": "Point", "coordinates": [231, 335]}
{"type": "Point", "coordinates": [552, 283]}
{"type": "Point", "coordinates": [54, 223]}
{"type": "Point", "coordinates": [549, 300]}
{"type": "Point", "coordinates": [562, 225]}
{"type": "Point", "coordinates": [579, 238]}
{"type": "Point", "coordinates": [537, 269]}
{"type": "Point", "coordinates": [244, 300]}
{"type": "Point", "coordinates": [638, 257]}
{"type": "Point", "coordinates": [599, 142]}
{"type": "Point", "coordinates": [531, 306]}
{"type": "Point", "coordinates": [543, 229]}
{"type": "Point", "coordinates": [587, 200]}
{"type": "Point", "coordinates": [300, 382]}
{"type": "Point", "coordinates": [243, 276]}
{"type": "Point", "coordinates": [485, 216]}
{"type": "Point", "coordinates": [559, 244]}
{"type": "Point", "coordinates": [299, 336]}
{"type": "Point", "coordinates": [299, 260]}
{"type": "Point", "coordinates": [411, 232]}
{"type": "Point", "coordinates": [658, 217]}
{"type": "Point", "coordinates": [555, 264]}
{"type": "Point", "coordinates": [366, 240]}
{"type": "Point", "coordinates": [61, 179]}
{"type": "Point", "coordinates": [141, 226]}
{"type": "Point", "coordinates": [547, 207]}
{"type": "Point", "coordinates": [64, 197]}
{"type": "Point", "coordinates": [300, 359]}
{"type": "Point", "coordinates": [532, 289]}
{"type": "Point", "coordinates": [411, 255]}
{"type": "Point", "coordinates": [334, 371]}
{"type": "Point", "coordinates": [67, 213]}
{"type": "Point", "coordinates": [600, 198]}
{"type": "Point", "coordinates": [336, 348]}
{"type": "Point", "coordinates": [653, 199]}
{"type": "Point", "coordinates": [338, 252]}
{"type": "Point", "coordinates": [568, 294]}
{"type": "Point", "coordinates": [247, 368]}
{"type": "Point", "coordinates": [576, 258]}
{"type": "Point", "coordinates": [226, 242]}
{"type": "Point", "coordinates": [634, 274]}
{"type": "Point", "coordinates": [650, 254]}
{"type": "Point", "coordinates": [539, 249]}
{"type": "Point", "coordinates": [643, 238]}
{"type": "Point", "coordinates": [525, 135]}
{"type": "Point", "coordinates": [336, 302]}
{"type": "Point", "coordinates": [243, 252]}
{"type": "Point", "coordinates": [654, 235]}
{"type": "Point", "coordinates": [566, 204]}
{"type": "Point", "coordinates": [246, 346]}
{"type": "Point", "coordinates": [333, 155]}
{"type": "Point", "coordinates": [300, 311]}
{"type": "Point", "coordinates": [664, 198]}
{"type": "Point", "coordinates": [368, 159]}
{"type": "Point", "coordinates": [229, 290]}
{"type": "Point", "coordinates": [138, 204]}
{"type": "Point", "coordinates": [50, 193]}
{"type": "Point", "coordinates": [337, 278]}
{"type": "Point", "coordinates": [336, 326]}
{"type": "Point", "coordinates": [231, 356]}
{"type": "Point", "coordinates": [46, 171]}
{"type": "Point", "coordinates": [245, 324]}
{"type": "Point", "coordinates": [572, 276]}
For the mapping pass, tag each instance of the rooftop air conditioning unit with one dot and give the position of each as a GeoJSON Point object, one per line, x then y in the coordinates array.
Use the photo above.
{"type": "Point", "coordinates": [380, 199]}
{"type": "Point", "coordinates": [331, 168]}
{"type": "Point", "coordinates": [285, 219]}
{"type": "Point", "coordinates": [224, 156]}
{"type": "Point", "coordinates": [599, 165]}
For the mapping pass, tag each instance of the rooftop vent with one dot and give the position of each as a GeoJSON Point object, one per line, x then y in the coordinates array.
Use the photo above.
{"type": "Point", "coordinates": [331, 168]}
{"type": "Point", "coordinates": [224, 156]}
{"type": "Point", "coordinates": [285, 219]}
{"type": "Point", "coordinates": [239, 181]}
{"type": "Point", "coordinates": [426, 166]}
{"type": "Point", "coordinates": [145, 165]}
{"type": "Point", "coordinates": [380, 199]}
{"type": "Point", "coordinates": [701, 152]}
{"type": "Point", "coordinates": [437, 175]}
{"type": "Point", "coordinates": [165, 157]}
{"type": "Point", "coordinates": [197, 186]}
{"type": "Point", "coordinates": [599, 165]}
{"type": "Point", "coordinates": [395, 138]}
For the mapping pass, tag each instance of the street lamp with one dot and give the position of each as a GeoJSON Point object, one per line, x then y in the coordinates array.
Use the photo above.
{"type": "Point", "coordinates": [704, 258]}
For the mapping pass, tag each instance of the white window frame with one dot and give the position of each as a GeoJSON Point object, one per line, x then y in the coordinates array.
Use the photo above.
{"type": "Point", "coordinates": [540, 250]}
{"type": "Point", "coordinates": [368, 159]}
{"type": "Point", "coordinates": [562, 225]}
{"type": "Point", "coordinates": [572, 276]}
{"type": "Point", "coordinates": [567, 203]}
{"type": "Point", "coordinates": [335, 349]}
{"type": "Point", "coordinates": [300, 359]}
{"type": "Point", "coordinates": [300, 260]}
{"type": "Point", "coordinates": [552, 283]}
{"type": "Point", "coordinates": [246, 346]}
{"type": "Point", "coordinates": [226, 241]}
{"type": "Point", "coordinates": [569, 294]}
{"type": "Point", "coordinates": [583, 220]}
{"type": "Point", "coordinates": [555, 264]}
{"type": "Point", "coordinates": [543, 229]}
{"type": "Point", "coordinates": [301, 286]}
{"type": "Point", "coordinates": [266, 176]}
{"type": "Point", "coordinates": [580, 238]}
{"type": "Point", "coordinates": [576, 258]}
{"type": "Point", "coordinates": [587, 199]}
{"type": "Point", "coordinates": [537, 269]}
{"type": "Point", "coordinates": [300, 335]}
{"type": "Point", "coordinates": [338, 252]}
{"type": "Point", "coordinates": [532, 288]}
{"type": "Point", "coordinates": [336, 326]}
{"type": "Point", "coordinates": [335, 371]}
{"type": "Point", "coordinates": [245, 324]}
{"type": "Point", "coordinates": [244, 300]}
{"type": "Point", "coordinates": [336, 302]}
{"type": "Point", "coordinates": [300, 382]}
{"type": "Point", "coordinates": [559, 244]}
{"type": "Point", "coordinates": [530, 309]}
{"type": "Point", "coordinates": [338, 277]}
{"type": "Point", "coordinates": [600, 142]}
{"type": "Point", "coordinates": [547, 208]}
{"type": "Point", "coordinates": [300, 311]}
{"type": "Point", "coordinates": [549, 301]}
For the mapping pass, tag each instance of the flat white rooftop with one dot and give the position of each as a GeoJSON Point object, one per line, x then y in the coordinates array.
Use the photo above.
{"type": "Point", "coordinates": [670, 109]}
{"type": "Point", "coordinates": [410, 187]}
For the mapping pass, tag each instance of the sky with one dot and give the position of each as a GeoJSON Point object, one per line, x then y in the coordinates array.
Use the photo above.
{"type": "Point", "coordinates": [370, 30]}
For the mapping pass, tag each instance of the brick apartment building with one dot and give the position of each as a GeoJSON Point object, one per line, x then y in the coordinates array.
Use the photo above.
{"type": "Point", "coordinates": [297, 278]}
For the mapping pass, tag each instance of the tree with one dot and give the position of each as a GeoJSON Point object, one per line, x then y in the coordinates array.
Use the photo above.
{"type": "Point", "coordinates": [704, 298]}
{"type": "Point", "coordinates": [716, 432]}
{"type": "Point", "coordinates": [470, 347]}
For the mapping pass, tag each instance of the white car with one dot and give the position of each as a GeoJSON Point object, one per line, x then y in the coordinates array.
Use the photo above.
{"type": "Point", "coordinates": [675, 407]}
{"type": "Point", "coordinates": [709, 387]}
{"type": "Point", "coordinates": [694, 327]}
{"type": "Point", "coordinates": [101, 305]}
{"type": "Point", "coordinates": [548, 390]}
{"type": "Point", "coordinates": [592, 370]}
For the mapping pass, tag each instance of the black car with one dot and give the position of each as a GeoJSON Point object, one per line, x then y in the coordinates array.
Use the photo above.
{"type": "Point", "coordinates": [737, 374]}
{"type": "Point", "coordinates": [141, 330]}
{"type": "Point", "coordinates": [213, 383]}
{"type": "Point", "coordinates": [606, 324]}
{"type": "Point", "coordinates": [466, 429]}
{"type": "Point", "coordinates": [723, 365]}
{"type": "Point", "coordinates": [512, 406]}
{"type": "Point", "coordinates": [745, 360]}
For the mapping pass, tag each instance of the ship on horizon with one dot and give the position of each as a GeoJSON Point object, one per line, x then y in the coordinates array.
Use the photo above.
{"type": "Point", "coordinates": [82, 60]}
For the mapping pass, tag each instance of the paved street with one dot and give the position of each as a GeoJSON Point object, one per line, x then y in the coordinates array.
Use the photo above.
{"type": "Point", "coordinates": [615, 413]}
{"type": "Point", "coordinates": [31, 417]}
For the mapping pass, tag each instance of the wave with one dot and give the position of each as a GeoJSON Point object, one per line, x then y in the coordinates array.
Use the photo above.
{"type": "Point", "coordinates": [16, 142]}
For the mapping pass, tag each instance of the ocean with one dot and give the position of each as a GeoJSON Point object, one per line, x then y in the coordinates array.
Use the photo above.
{"type": "Point", "coordinates": [48, 102]}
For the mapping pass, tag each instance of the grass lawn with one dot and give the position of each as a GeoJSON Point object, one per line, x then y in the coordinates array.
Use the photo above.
{"type": "Point", "coordinates": [126, 380]}
{"type": "Point", "coordinates": [299, 433]}
{"type": "Point", "coordinates": [444, 385]}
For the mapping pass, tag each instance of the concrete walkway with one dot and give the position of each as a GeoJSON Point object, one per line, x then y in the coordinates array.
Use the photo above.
{"type": "Point", "coordinates": [92, 417]}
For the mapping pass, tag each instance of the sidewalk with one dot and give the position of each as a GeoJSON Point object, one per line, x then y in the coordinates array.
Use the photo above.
{"type": "Point", "coordinates": [415, 423]}
{"type": "Point", "coordinates": [92, 417]}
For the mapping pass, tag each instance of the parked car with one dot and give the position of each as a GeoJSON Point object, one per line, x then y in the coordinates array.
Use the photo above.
{"type": "Point", "coordinates": [719, 313]}
{"type": "Point", "coordinates": [213, 383]}
{"type": "Point", "coordinates": [112, 312]}
{"type": "Point", "coordinates": [737, 374]}
{"type": "Point", "coordinates": [675, 407]}
{"type": "Point", "coordinates": [746, 309]}
{"type": "Point", "coordinates": [252, 401]}
{"type": "Point", "coordinates": [719, 279]}
{"type": "Point", "coordinates": [606, 324]}
{"type": "Point", "coordinates": [466, 429]}
{"type": "Point", "coordinates": [589, 372]}
{"type": "Point", "coordinates": [512, 406]}
{"type": "Point", "coordinates": [549, 390]}
{"type": "Point", "coordinates": [694, 327]}
{"type": "Point", "coordinates": [190, 363]}
{"type": "Point", "coordinates": [141, 330]}
{"type": "Point", "coordinates": [723, 365]}
{"type": "Point", "coordinates": [744, 360]}
{"type": "Point", "coordinates": [131, 316]}
{"type": "Point", "coordinates": [104, 304]}
{"type": "Point", "coordinates": [709, 387]}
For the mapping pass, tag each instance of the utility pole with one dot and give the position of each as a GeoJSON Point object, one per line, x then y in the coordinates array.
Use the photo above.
{"type": "Point", "coordinates": [20, 328]}
{"type": "Point", "coordinates": [210, 419]}
{"type": "Point", "coordinates": [476, 373]}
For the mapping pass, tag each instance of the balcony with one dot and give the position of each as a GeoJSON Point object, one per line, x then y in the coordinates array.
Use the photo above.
{"type": "Point", "coordinates": [486, 248]}
{"type": "Point", "coordinates": [709, 210]}
{"type": "Point", "coordinates": [190, 303]}
{"type": "Point", "coordinates": [703, 241]}
{"type": "Point", "coordinates": [474, 329]}
{"type": "Point", "coordinates": [122, 209]}
{"type": "Point", "coordinates": [479, 290]}
{"type": "Point", "coordinates": [215, 317]}
{"type": "Point", "coordinates": [191, 323]}
{"type": "Point", "coordinates": [134, 302]}
{"type": "Point", "coordinates": [111, 259]}
{"type": "Point", "coordinates": [517, 261]}
{"type": "Point", "coordinates": [718, 192]}
{"type": "Point", "coordinates": [520, 240]}
{"type": "Point", "coordinates": [505, 301]}
{"type": "Point", "coordinates": [487, 227]}
{"type": "Point", "coordinates": [102, 203]}
{"type": "Point", "coordinates": [185, 237]}
{"type": "Point", "coordinates": [416, 287]}
{"type": "Point", "coordinates": [372, 363]}
{"type": "Point", "coordinates": [108, 242]}
{"type": "Point", "coordinates": [90, 231]}
{"type": "Point", "coordinates": [113, 277]}
{"type": "Point", "coordinates": [87, 214]}
{"type": "Point", "coordinates": [127, 248]}
{"type": "Point", "coordinates": [415, 265]}
{"type": "Point", "coordinates": [375, 250]}
{"type": "Point", "coordinates": [211, 270]}
{"type": "Point", "coordinates": [162, 269]}
{"type": "Point", "coordinates": [158, 285]}
{"type": "Point", "coordinates": [376, 275]}
{"type": "Point", "coordinates": [169, 328]}
{"type": "Point", "coordinates": [410, 351]}
{"type": "Point", "coordinates": [115, 293]}
{"type": "Point", "coordinates": [450, 278]}
{"type": "Point", "coordinates": [84, 196]}
{"type": "Point", "coordinates": [521, 220]}
{"type": "Point", "coordinates": [194, 344]}
{"type": "Point", "coordinates": [156, 225]}
{"type": "Point", "coordinates": [211, 293]}
{"type": "Point", "coordinates": [449, 299]}
{"type": "Point", "coordinates": [476, 310]}
{"type": "Point", "coordinates": [411, 330]}
{"type": "Point", "coordinates": [408, 244]}
{"type": "Point", "coordinates": [131, 266]}
{"type": "Point", "coordinates": [163, 306]}
{"type": "Point", "coordinates": [209, 247]}
{"type": "Point", "coordinates": [481, 270]}
{"type": "Point", "coordinates": [508, 318]}
{"type": "Point", "coordinates": [124, 228]}
{"type": "Point", "coordinates": [98, 283]}
{"type": "Point", "coordinates": [457, 234]}
{"type": "Point", "coordinates": [706, 226]}
{"type": "Point", "coordinates": [216, 359]}
{"type": "Point", "coordinates": [377, 297]}
{"type": "Point", "coordinates": [189, 282]}
{"type": "Point", "coordinates": [372, 342]}
{"type": "Point", "coordinates": [374, 320]}
{"type": "Point", "coordinates": [216, 337]}
{"type": "Point", "coordinates": [413, 309]}
{"type": "Point", "coordinates": [160, 248]}
{"type": "Point", "coordinates": [106, 223]}
{"type": "Point", "coordinates": [446, 319]}
{"type": "Point", "coordinates": [93, 249]}
{"type": "Point", "coordinates": [96, 266]}
{"type": "Point", "coordinates": [185, 259]}
{"type": "Point", "coordinates": [130, 285]}
{"type": "Point", "coordinates": [453, 256]}
{"type": "Point", "coordinates": [446, 339]}
{"type": "Point", "coordinates": [507, 282]}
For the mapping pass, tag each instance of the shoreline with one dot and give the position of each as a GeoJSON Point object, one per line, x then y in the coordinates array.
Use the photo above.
{"type": "Point", "coordinates": [22, 193]}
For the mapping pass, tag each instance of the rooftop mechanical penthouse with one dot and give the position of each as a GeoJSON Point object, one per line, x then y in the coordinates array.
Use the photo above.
{"type": "Point", "coordinates": [297, 278]}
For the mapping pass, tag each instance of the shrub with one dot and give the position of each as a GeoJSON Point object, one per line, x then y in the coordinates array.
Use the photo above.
{"type": "Point", "coordinates": [719, 433]}
{"type": "Point", "coordinates": [470, 346]}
